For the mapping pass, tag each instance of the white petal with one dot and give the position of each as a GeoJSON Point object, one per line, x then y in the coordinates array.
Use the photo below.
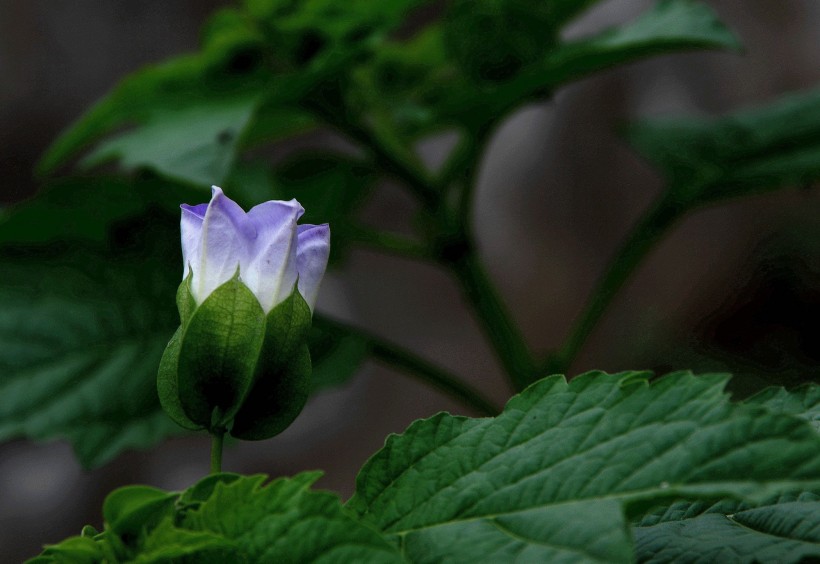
{"type": "Point", "coordinates": [312, 251]}
{"type": "Point", "coordinates": [190, 226]}
{"type": "Point", "coordinates": [225, 245]}
{"type": "Point", "coordinates": [271, 274]}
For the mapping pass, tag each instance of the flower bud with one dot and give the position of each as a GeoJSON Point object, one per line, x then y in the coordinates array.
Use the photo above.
{"type": "Point", "coordinates": [238, 361]}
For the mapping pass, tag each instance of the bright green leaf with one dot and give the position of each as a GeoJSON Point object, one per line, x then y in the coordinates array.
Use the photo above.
{"type": "Point", "coordinates": [564, 459]}
{"type": "Point", "coordinates": [73, 550]}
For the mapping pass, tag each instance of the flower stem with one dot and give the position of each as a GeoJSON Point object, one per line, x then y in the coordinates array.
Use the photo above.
{"type": "Point", "coordinates": [400, 358]}
{"type": "Point", "coordinates": [649, 229]}
{"type": "Point", "coordinates": [217, 439]}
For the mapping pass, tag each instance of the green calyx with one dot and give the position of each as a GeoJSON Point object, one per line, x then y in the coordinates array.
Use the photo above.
{"type": "Point", "coordinates": [231, 368]}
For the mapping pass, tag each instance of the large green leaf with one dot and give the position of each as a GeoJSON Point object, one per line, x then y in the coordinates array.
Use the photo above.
{"type": "Point", "coordinates": [783, 530]}
{"type": "Point", "coordinates": [228, 518]}
{"type": "Point", "coordinates": [187, 113]}
{"type": "Point", "coordinates": [82, 329]}
{"type": "Point", "coordinates": [556, 476]}
{"type": "Point", "coordinates": [747, 152]}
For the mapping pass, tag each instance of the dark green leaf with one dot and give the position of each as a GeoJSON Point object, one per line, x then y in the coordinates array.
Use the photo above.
{"type": "Point", "coordinates": [227, 518]}
{"type": "Point", "coordinates": [284, 521]}
{"type": "Point", "coordinates": [671, 26]}
{"type": "Point", "coordinates": [743, 153]}
{"type": "Point", "coordinates": [803, 401]}
{"type": "Point", "coordinates": [784, 530]}
{"type": "Point", "coordinates": [554, 477]}
{"type": "Point", "coordinates": [82, 331]}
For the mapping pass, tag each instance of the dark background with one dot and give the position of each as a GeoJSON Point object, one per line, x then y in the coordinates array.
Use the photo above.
{"type": "Point", "coordinates": [733, 288]}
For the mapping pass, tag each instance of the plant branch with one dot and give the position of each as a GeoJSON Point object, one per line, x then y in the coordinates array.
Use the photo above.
{"type": "Point", "coordinates": [217, 440]}
{"type": "Point", "coordinates": [649, 229]}
{"type": "Point", "coordinates": [421, 369]}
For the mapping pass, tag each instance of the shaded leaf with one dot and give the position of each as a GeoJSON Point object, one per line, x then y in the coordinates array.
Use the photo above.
{"type": "Point", "coordinates": [671, 26]}
{"type": "Point", "coordinates": [784, 530]}
{"type": "Point", "coordinates": [743, 153]}
{"type": "Point", "coordinates": [82, 330]}
{"type": "Point", "coordinates": [554, 477]}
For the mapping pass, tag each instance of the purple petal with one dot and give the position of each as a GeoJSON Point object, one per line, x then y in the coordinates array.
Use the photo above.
{"type": "Point", "coordinates": [271, 273]}
{"type": "Point", "coordinates": [225, 244]}
{"type": "Point", "coordinates": [313, 249]}
{"type": "Point", "coordinates": [190, 226]}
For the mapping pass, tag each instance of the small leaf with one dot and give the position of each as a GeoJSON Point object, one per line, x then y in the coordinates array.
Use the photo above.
{"type": "Point", "coordinates": [73, 550]}
{"type": "Point", "coordinates": [565, 459]}
{"type": "Point", "coordinates": [284, 521]}
{"type": "Point", "coordinates": [127, 510]}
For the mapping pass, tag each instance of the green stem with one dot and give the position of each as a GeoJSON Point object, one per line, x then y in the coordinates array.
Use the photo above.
{"type": "Point", "coordinates": [412, 364]}
{"type": "Point", "coordinates": [217, 440]}
{"type": "Point", "coordinates": [503, 334]}
{"type": "Point", "coordinates": [649, 229]}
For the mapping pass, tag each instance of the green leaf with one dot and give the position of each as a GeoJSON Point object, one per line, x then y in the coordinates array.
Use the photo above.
{"type": "Point", "coordinates": [803, 401]}
{"type": "Point", "coordinates": [83, 328]}
{"type": "Point", "coordinates": [227, 518]}
{"type": "Point", "coordinates": [195, 144]}
{"type": "Point", "coordinates": [743, 153]}
{"type": "Point", "coordinates": [671, 26]}
{"type": "Point", "coordinates": [188, 113]}
{"type": "Point", "coordinates": [557, 474]}
{"type": "Point", "coordinates": [284, 521]}
{"type": "Point", "coordinates": [129, 509]}
{"type": "Point", "coordinates": [218, 354]}
{"type": "Point", "coordinates": [73, 550]}
{"type": "Point", "coordinates": [784, 530]}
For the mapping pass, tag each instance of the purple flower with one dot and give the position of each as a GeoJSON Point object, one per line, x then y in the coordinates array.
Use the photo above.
{"type": "Point", "coordinates": [271, 252]}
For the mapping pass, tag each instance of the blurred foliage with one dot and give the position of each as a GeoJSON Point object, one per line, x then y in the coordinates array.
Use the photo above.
{"type": "Point", "coordinates": [93, 260]}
